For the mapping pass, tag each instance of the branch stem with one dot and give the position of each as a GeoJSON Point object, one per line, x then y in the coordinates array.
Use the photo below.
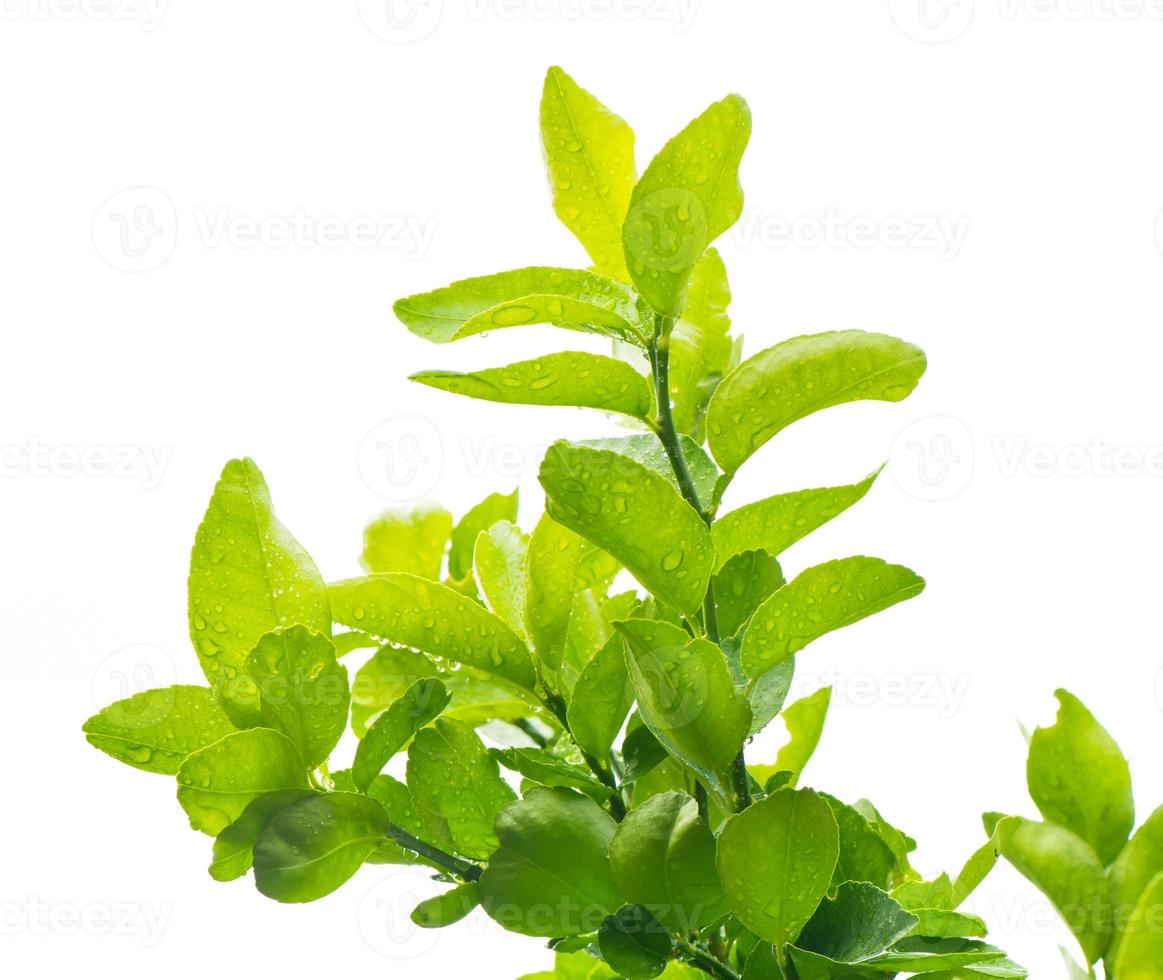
{"type": "Point", "coordinates": [700, 958]}
{"type": "Point", "coordinates": [462, 869]}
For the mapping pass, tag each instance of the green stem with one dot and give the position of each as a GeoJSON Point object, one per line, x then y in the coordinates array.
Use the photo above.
{"type": "Point", "coordinates": [617, 807]}
{"type": "Point", "coordinates": [531, 730]}
{"type": "Point", "coordinates": [706, 962]}
{"type": "Point", "coordinates": [462, 869]}
{"type": "Point", "coordinates": [659, 354]}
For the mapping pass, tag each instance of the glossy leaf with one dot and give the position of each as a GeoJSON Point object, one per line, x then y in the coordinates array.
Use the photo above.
{"type": "Point", "coordinates": [499, 561]}
{"type": "Point", "coordinates": [589, 153]}
{"type": "Point", "coordinates": [634, 943]}
{"type": "Point", "coordinates": [155, 730]}
{"type": "Point", "coordinates": [551, 573]}
{"type": "Point", "coordinates": [1141, 950]}
{"type": "Point", "coordinates": [543, 767]}
{"type": "Point", "coordinates": [776, 387]}
{"type": "Point", "coordinates": [601, 699]}
{"type": "Point", "coordinates": [434, 618]}
{"type": "Point", "coordinates": [685, 199]}
{"type": "Point", "coordinates": [248, 575]}
{"type": "Point", "coordinates": [216, 783]}
{"type": "Point", "coordinates": [980, 863]}
{"type": "Point", "coordinates": [390, 732]}
{"type": "Point", "coordinates": [234, 846]}
{"type": "Point", "coordinates": [451, 774]}
{"type": "Point", "coordinates": [824, 598]}
{"type": "Point", "coordinates": [646, 448]}
{"type": "Point", "coordinates": [635, 515]}
{"type": "Point", "coordinates": [775, 860]}
{"type": "Point", "coordinates": [805, 724]}
{"type": "Point", "coordinates": [480, 517]}
{"type": "Point", "coordinates": [447, 908]}
{"type": "Point", "coordinates": [966, 958]}
{"type": "Point", "coordinates": [408, 539]}
{"type": "Point", "coordinates": [741, 585]}
{"type": "Point", "coordinates": [685, 695]}
{"type": "Point", "coordinates": [856, 924]}
{"type": "Point", "coordinates": [568, 298]}
{"type": "Point", "coordinates": [663, 858]}
{"type": "Point", "coordinates": [776, 523]}
{"type": "Point", "coordinates": [314, 846]}
{"type": "Point", "coordinates": [864, 855]}
{"type": "Point", "coordinates": [1079, 779]}
{"type": "Point", "coordinates": [1140, 861]}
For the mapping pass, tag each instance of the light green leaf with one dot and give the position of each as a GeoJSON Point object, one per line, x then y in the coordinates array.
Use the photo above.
{"type": "Point", "coordinates": [234, 846]}
{"type": "Point", "coordinates": [543, 767]}
{"type": "Point", "coordinates": [856, 924]}
{"type": "Point", "coordinates": [314, 846]}
{"type": "Point", "coordinates": [476, 697]}
{"type": "Point", "coordinates": [646, 448]}
{"type": "Point", "coordinates": [663, 857]}
{"type": "Point", "coordinates": [391, 730]}
{"type": "Point", "coordinates": [1141, 950]}
{"type": "Point", "coordinates": [451, 774]}
{"type": "Point", "coordinates": [408, 539]}
{"type": "Point", "coordinates": [701, 352]}
{"type": "Point", "coordinates": [568, 298]}
{"type": "Point", "coordinates": [447, 908]}
{"type": "Point", "coordinates": [248, 575]}
{"type": "Point", "coordinates": [1132, 872]}
{"type": "Point", "coordinates": [480, 517]}
{"type": "Point", "coordinates": [822, 599]}
{"type": "Point", "coordinates": [302, 690]}
{"type": "Point", "coordinates": [944, 924]}
{"type": "Point", "coordinates": [793, 379]}
{"type": "Point", "coordinates": [634, 943]}
{"type": "Point", "coordinates": [155, 730]}
{"type": "Point", "coordinates": [916, 894]}
{"type": "Point", "coordinates": [775, 861]}
{"type": "Point", "coordinates": [499, 560]}
{"type": "Point", "coordinates": [216, 783]}
{"type": "Point", "coordinates": [965, 957]}
{"type": "Point", "coordinates": [1079, 779]}
{"type": "Point", "coordinates": [1066, 870]}
{"type": "Point", "coordinates": [395, 797]}
{"type": "Point", "coordinates": [567, 378]}
{"type": "Point", "coordinates": [551, 874]}
{"type": "Point", "coordinates": [778, 522]}
{"type": "Point", "coordinates": [435, 619]}
{"type": "Point", "coordinates": [685, 695]}
{"type": "Point", "coordinates": [741, 584]}
{"type": "Point", "coordinates": [981, 862]}
{"type": "Point", "coordinates": [805, 724]}
{"type": "Point", "coordinates": [550, 582]}
{"type": "Point", "coordinates": [589, 153]}
{"type": "Point", "coordinates": [600, 700]}
{"type": "Point", "coordinates": [635, 515]}
{"type": "Point", "coordinates": [686, 198]}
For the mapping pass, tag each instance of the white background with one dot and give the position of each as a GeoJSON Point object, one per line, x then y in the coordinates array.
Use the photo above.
{"type": "Point", "coordinates": [1031, 128]}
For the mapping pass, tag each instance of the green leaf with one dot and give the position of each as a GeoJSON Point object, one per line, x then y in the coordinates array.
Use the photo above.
{"type": "Point", "coordinates": [663, 857]}
{"type": "Point", "coordinates": [864, 855]}
{"type": "Point", "coordinates": [601, 699]}
{"type": "Point", "coordinates": [568, 298]}
{"type": "Point", "coordinates": [451, 774]}
{"type": "Point", "coordinates": [634, 943]}
{"type": "Point", "coordinates": [234, 846]}
{"type": "Point", "coordinates": [216, 783]}
{"type": "Point", "coordinates": [641, 751]}
{"type": "Point", "coordinates": [635, 515]}
{"type": "Point", "coordinates": [741, 584]}
{"type": "Point", "coordinates": [686, 198]}
{"type": "Point", "coordinates": [499, 560]}
{"type": "Point", "coordinates": [701, 352]}
{"type": "Point", "coordinates": [856, 924]}
{"type": "Point", "coordinates": [944, 924]}
{"type": "Point", "coordinates": [1079, 779]}
{"type": "Point", "coordinates": [551, 874]}
{"type": "Point", "coordinates": [805, 724]}
{"type": "Point", "coordinates": [589, 153]}
{"type": "Point", "coordinates": [819, 600]}
{"type": "Point", "coordinates": [397, 800]}
{"type": "Point", "coordinates": [447, 908]}
{"type": "Point", "coordinates": [793, 379]}
{"type": "Point", "coordinates": [685, 695]}
{"type": "Point", "coordinates": [543, 767]}
{"type": "Point", "coordinates": [408, 539]}
{"type": "Point", "coordinates": [1132, 872]}
{"type": "Point", "coordinates": [480, 517]}
{"type": "Point", "coordinates": [391, 730]}
{"type": "Point", "coordinates": [302, 689]}
{"type": "Point", "coordinates": [916, 895]}
{"type": "Point", "coordinates": [967, 957]}
{"type": "Point", "coordinates": [550, 582]}
{"type": "Point", "coordinates": [775, 861]}
{"type": "Point", "coordinates": [476, 697]}
{"type": "Point", "coordinates": [314, 846]}
{"type": "Point", "coordinates": [1066, 870]}
{"type": "Point", "coordinates": [1141, 950]}
{"type": "Point", "coordinates": [248, 575]}
{"type": "Point", "coordinates": [155, 730]}
{"type": "Point", "coordinates": [567, 378]}
{"type": "Point", "coordinates": [776, 523]}
{"type": "Point", "coordinates": [646, 448]}
{"type": "Point", "coordinates": [981, 862]}
{"type": "Point", "coordinates": [435, 619]}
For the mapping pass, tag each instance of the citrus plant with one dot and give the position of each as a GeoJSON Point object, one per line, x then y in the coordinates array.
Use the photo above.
{"type": "Point", "coordinates": [1106, 883]}
{"type": "Point", "coordinates": [617, 656]}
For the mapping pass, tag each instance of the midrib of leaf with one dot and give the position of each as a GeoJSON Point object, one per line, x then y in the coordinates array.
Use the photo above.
{"type": "Point", "coordinates": [262, 547]}
{"type": "Point", "coordinates": [371, 838]}
{"type": "Point", "coordinates": [573, 889]}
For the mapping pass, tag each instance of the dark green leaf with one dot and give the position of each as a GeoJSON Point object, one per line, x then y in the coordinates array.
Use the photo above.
{"type": "Point", "coordinates": [601, 699]}
{"type": "Point", "coordinates": [445, 909]}
{"type": "Point", "coordinates": [741, 585]}
{"type": "Point", "coordinates": [234, 846]}
{"type": "Point", "coordinates": [543, 767]}
{"type": "Point", "coordinates": [634, 943]}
